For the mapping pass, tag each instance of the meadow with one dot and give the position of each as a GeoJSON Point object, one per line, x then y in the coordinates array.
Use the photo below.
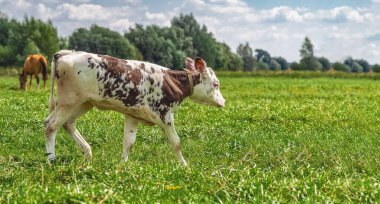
{"type": "Point", "coordinates": [280, 139]}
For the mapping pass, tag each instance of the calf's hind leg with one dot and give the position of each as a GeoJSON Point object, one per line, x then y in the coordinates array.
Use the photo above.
{"type": "Point", "coordinates": [53, 122]}
{"type": "Point", "coordinates": [70, 128]}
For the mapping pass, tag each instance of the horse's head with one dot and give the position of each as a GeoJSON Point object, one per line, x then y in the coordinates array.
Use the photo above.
{"type": "Point", "coordinates": [22, 79]}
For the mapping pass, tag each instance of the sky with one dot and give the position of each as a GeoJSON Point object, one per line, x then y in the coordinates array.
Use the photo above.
{"type": "Point", "coordinates": [337, 28]}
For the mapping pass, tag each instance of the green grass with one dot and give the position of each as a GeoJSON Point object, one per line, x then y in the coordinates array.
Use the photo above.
{"type": "Point", "coordinates": [278, 139]}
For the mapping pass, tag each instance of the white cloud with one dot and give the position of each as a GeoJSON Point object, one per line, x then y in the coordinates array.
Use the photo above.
{"type": "Point", "coordinates": [85, 12]}
{"type": "Point", "coordinates": [121, 25]}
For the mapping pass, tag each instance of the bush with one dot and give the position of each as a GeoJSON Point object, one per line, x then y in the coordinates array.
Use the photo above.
{"type": "Point", "coordinates": [295, 66]}
{"type": "Point", "coordinates": [274, 65]}
{"type": "Point", "coordinates": [337, 66]}
{"type": "Point", "coordinates": [326, 66]}
{"type": "Point", "coordinates": [261, 66]}
{"type": "Point", "coordinates": [7, 56]}
{"type": "Point", "coordinates": [356, 67]}
{"type": "Point", "coordinates": [310, 63]}
{"type": "Point", "coordinates": [376, 68]}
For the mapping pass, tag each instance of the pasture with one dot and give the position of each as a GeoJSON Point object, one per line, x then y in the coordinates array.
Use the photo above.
{"type": "Point", "coordinates": [278, 139]}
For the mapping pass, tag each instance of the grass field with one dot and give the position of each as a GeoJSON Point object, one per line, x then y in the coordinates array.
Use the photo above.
{"type": "Point", "coordinates": [278, 139]}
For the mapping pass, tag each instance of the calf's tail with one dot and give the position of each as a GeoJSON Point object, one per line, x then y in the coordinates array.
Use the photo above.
{"type": "Point", "coordinates": [54, 65]}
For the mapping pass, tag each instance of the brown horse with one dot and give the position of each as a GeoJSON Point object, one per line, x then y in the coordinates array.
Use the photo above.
{"type": "Point", "coordinates": [34, 64]}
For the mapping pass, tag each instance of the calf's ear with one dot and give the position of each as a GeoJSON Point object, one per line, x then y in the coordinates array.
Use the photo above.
{"type": "Point", "coordinates": [190, 64]}
{"type": "Point", "coordinates": [200, 64]}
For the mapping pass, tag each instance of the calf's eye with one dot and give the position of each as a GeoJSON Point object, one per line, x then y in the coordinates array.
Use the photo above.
{"type": "Point", "coordinates": [215, 84]}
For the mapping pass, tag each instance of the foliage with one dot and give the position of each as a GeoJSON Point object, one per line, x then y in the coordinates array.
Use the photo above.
{"type": "Point", "coordinates": [337, 66]}
{"type": "Point", "coordinates": [282, 61]}
{"type": "Point", "coordinates": [274, 65]}
{"type": "Point", "coordinates": [102, 40]}
{"type": "Point", "coordinates": [308, 61]}
{"type": "Point", "coordinates": [295, 66]}
{"type": "Point", "coordinates": [349, 61]}
{"type": "Point", "coordinates": [63, 43]}
{"type": "Point", "coordinates": [204, 43]}
{"type": "Point", "coordinates": [6, 56]}
{"type": "Point", "coordinates": [235, 63]}
{"type": "Point", "coordinates": [279, 140]}
{"type": "Point", "coordinates": [364, 64]}
{"type": "Point", "coordinates": [307, 49]}
{"type": "Point", "coordinates": [356, 67]}
{"type": "Point", "coordinates": [245, 52]}
{"type": "Point", "coordinates": [19, 39]}
{"type": "Point", "coordinates": [326, 65]}
{"type": "Point", "coordinates": [264, 56]}
{"type": "Point", "coordinates": [261, 66]}
{"type": "Point", "coordinates": [165, 46]}
{"type": "Point", "coordinates": [376, 68]}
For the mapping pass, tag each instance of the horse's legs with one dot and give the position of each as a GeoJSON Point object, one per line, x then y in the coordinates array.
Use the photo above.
{"type": "Point", "coordinates": [70, 128]}
{"type": "Point", "coordinates": [30, 81]}
{"type": "Point", "coordinates": [38, 81]}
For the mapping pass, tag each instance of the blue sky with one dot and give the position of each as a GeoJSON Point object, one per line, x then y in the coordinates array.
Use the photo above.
{"type": "Point", "coordinates": [337, 28]}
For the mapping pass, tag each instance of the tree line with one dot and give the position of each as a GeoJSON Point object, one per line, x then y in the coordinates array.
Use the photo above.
{"type": "Point", "coordinates": [167, 46]}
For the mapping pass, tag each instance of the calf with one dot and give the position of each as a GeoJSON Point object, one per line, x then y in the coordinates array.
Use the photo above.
{"type": "Point", "coordinates": [144, 92]}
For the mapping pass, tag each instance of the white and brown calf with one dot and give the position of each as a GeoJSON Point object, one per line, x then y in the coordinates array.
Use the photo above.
{"type": "Point", "coordinates": [144, 92]}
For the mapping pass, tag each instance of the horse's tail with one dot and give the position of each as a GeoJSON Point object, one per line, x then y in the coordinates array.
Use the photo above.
{"type": "Point", "coordinates": [44, 68]}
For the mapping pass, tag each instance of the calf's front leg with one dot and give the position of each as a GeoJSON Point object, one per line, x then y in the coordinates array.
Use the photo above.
{"type": "Point", "coordinates": [130, 130]}
{"type": "Point", "coordinates": [174, 141]}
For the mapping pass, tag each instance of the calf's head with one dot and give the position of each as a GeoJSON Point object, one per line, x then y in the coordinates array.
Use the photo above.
{"type": "Point", "coordinates": [207, 91]}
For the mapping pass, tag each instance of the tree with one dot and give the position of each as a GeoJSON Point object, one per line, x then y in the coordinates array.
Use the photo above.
{"type": "Point", "coordinates": [204, 42]}
{"type": "Point", "coordinates": [356, 67]}
{"type": "Point", "coordinates": [4, 29]}
{"type": "Point", "coordinates": [376, 68]}
{"type": "Point", "coordinates": [165, 46]}
{"type": "Point", "coordinates": [349, 61]}
{"type": "Point", "coordinates": [19, 39]}
{"type": "Point", "coordinates": [261, 66]}
{"type": "Point", "coordinates": [307, 49]}
{"type": "Point", "coordinates": [63, 43]}
{"type": "Point", "coordinates": [326, 65]}
{"type": "Point", "coordinates": [365, 65]}
{"type": "Point", "coordinates": [235, 62]}
{"type": "Point", "coordinates": [337, 66]}
{"type": "Point", "coordinates": [245, 52]}
{"type": "Point", "coordinates": [274, 65]}
{"type": "Point", "coordinates": [102, 40]}
{"type": "Point", "coordinates": [264, 56]}
{"type": "Point", "coordinates": [295, 66]}
{"type": "Point", "coordinates": [360, 65]}
{"type": "Point", "coordinates": [308, 61]}
{"type": "Point", "coordinates": [282, 61]}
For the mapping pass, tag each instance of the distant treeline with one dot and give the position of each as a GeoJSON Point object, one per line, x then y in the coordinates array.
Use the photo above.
{"type": "Point", "coordinates": [167, 46]}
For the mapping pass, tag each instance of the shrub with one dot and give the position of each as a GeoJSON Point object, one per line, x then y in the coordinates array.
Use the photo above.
{"type": "Point", "coordinates": [274, 65]}
{"type": "Point", "coordinates": [376, 68]}
{"type": "Point", "coordinates": [356, 67]}
{"type": "Point", "coordinates": [337, 66]}
{"type": "Point", "coordinates": [261, 66]}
